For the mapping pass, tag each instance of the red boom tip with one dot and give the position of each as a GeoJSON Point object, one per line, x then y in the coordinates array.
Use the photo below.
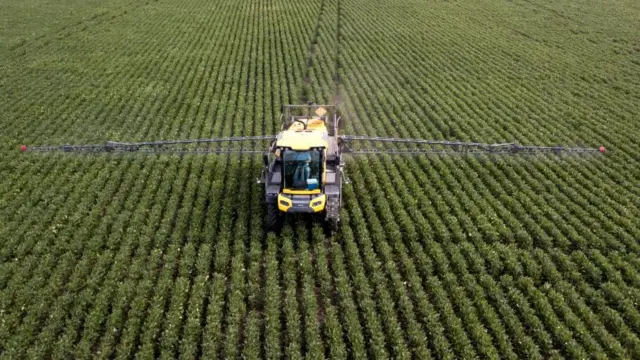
{"type": "Point", "coordinates": [23, 148]}
{"type": "Point", "coordinates": [602, 149]}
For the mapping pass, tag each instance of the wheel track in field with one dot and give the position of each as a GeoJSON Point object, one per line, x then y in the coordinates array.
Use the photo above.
{"type": "Point", "coordinates": [511, 255]}
{"type": "Point", "coordinates": [307, 80]}
{"type": "Point", "coordinates": [326, 34]}
{"type": "Point", "coordinates": [308, 337]}
{"type": "Point", "coordinates": [371, 322]}
{"type": "Point", "coordinates": [305, 87]}
{"type": "Point", "coordinates": [349, 334]}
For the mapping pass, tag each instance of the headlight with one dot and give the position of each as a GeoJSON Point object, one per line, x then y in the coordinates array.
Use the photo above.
{"type": "Point", "coordinates": [284, 203]}
{"type": "Point", "coordinates": [316, 203]}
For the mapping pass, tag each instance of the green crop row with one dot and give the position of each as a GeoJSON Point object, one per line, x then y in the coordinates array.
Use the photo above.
{"type": "Point", "coordinates": [167, 256]}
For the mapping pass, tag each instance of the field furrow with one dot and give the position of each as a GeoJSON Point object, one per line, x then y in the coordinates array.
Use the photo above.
{"type": "Point", "coordinates": [139, 256]}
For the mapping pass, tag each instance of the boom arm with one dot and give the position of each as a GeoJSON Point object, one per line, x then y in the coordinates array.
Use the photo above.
{"type": "Point", "coordinates": [449, 147]}
{"type": "Point", "coordinates": [160, 146]}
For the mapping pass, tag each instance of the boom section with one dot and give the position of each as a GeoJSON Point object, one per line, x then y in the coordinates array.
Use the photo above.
{"type": "Point", "coordinates": [166, 146]}
{"type": "Point", "coordinates": [425, 146]}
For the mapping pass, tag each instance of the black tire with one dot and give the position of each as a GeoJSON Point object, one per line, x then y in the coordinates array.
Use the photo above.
{"type": "Point", "coordinates": [274, 218]}
{"type": "Point", "coordinates": [331, 225]}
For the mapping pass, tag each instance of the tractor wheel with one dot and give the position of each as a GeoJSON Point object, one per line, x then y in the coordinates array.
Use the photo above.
{"type": "Point", "coordinates": [274, 217]}
{"type": "Point", "coordinates": [331, 225]}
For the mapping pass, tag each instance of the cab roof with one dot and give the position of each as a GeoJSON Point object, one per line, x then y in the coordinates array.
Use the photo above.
{"type": "Point", "coordinates": [297, 138]}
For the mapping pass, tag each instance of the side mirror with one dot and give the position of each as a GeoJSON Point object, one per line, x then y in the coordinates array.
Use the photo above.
{"type": "Point", "coordinates": [265, 159]}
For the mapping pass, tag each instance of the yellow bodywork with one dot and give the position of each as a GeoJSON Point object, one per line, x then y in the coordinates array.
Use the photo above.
{"type": "Point", "coordinates": [284, 203]}
{"type": "Point", "coordinates": [299, 139]}
{"type": "Point", "coordinates": [321, 200]}
{"type": "Point", "coordinates": [301, 192]}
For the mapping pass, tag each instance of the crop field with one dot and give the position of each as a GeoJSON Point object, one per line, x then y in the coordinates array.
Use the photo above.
{"type": "Point", "coordinates": [142, 256]}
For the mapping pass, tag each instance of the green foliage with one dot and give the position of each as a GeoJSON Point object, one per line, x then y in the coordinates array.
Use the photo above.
{"type": "Point", "coordinates": [166, 256]}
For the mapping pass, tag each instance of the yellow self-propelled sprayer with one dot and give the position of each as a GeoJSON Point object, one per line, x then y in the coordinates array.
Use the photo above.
{"type": "Point", "coordinates": [304, 166]}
